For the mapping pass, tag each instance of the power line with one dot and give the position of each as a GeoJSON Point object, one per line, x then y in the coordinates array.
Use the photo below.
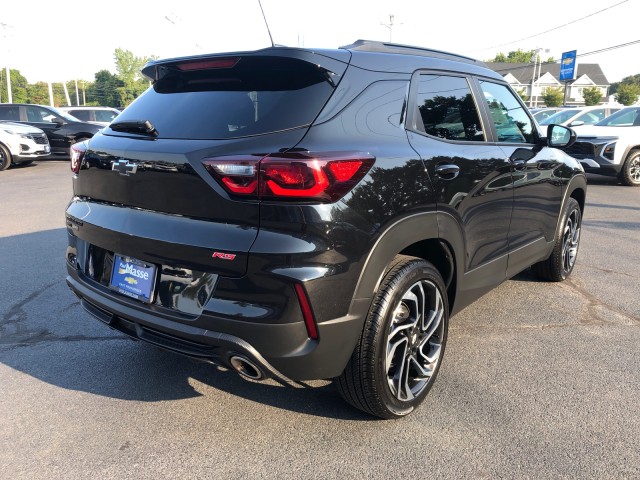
{"type": "Point", "coordinates": [552, 29]}
{"type": "Point", "coordinates": [602, 50]}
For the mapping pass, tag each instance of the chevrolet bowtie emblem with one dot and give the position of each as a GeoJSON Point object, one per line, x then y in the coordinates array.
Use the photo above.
{"type": "Point", "coordinates": [123, 167]}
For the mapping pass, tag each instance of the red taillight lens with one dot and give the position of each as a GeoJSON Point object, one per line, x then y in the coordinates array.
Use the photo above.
{"type": "Point", "coordinates": [322, 177]}
{"type": "Point", "coordinates": [77, 154]}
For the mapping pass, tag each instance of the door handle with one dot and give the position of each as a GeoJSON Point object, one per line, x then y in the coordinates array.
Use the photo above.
{"type": "Point", "coordinates": [447, 171]}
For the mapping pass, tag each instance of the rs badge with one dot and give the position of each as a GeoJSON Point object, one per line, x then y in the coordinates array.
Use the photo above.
{"type": "Point", "coordinates": [223, 256]}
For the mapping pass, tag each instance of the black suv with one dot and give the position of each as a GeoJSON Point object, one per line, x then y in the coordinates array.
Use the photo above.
{"type": "Point", "coordinates": [61, 129]}
{"type": "Point", "coordinates": [300, 214]}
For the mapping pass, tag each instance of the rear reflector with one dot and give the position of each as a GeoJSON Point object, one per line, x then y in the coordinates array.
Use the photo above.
{"type": "Point", "coordinates": [320, 176]}
{"type": "Point", "coordinates": [307, 313]}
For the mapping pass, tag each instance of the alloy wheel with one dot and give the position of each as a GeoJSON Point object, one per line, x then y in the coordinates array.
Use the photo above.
{"type": "Point", "coordinates": [570, 240]}
{"type": "Point", "coordinates": [414, 340]}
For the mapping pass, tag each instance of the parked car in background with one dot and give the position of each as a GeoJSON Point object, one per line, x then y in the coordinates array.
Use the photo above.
{"type": "Point", "coordinates": [21, 144]}
{"type": "Point", "coordinates": [576, 116]}
{"type": "Point", "coordinates": [62, 129]}
{"type": "Point", "coordinates": [101, 115]}
{"type": "Point", "coordinates": [611, 147]}
{"type": "Point", "coordinates": [541, 113]}
{"type": "Point", "coordinates": [308, 214]}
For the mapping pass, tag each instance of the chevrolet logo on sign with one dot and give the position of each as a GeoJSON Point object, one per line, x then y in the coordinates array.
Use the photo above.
{"type": "Point", "coordinates": [123, 167]}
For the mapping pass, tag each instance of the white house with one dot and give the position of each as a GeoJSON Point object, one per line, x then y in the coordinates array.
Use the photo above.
{"type": "Point", "coordinates": [521, 77]}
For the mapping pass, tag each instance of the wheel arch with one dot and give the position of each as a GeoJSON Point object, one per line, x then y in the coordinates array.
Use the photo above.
{"type": "Point", "coordinates": [431, 236]}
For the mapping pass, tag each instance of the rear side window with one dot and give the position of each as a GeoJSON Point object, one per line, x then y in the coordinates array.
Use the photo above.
{"type": "Point", "coordinates": [512, 123]}
{"type": "Point", "coordinates": [446, 109]}
{"type": "Point", "coordinates": [84, 115]}
{"type": "Point", "coordinates": [257, 95]}
{"type": "Point", "coordinates": [9, 113]}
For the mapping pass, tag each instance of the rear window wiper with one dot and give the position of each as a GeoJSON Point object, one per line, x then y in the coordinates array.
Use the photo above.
{"type": "Point", "coordinates": [144, 127]}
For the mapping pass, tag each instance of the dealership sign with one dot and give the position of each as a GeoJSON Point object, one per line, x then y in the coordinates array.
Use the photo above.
{"type": "Point", "coordinates": [568, 66]}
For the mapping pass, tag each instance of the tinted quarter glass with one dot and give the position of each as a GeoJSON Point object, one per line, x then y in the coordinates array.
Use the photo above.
{"type": "Point", "coordinates": [81, 114]}
{"type": "Point", "coordinates": [9, 113]}
{"type": "Point", "coordinates": [255, 96]}
{"type": "Point", "coordinates": [447, 110]}
{"type": "Point", "coordinates": [105, 115]}
{"type": "Point", "coordinates": [512, 123]}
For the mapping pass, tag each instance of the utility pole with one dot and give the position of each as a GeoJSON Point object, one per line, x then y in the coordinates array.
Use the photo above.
{"type": "Point", "coordinates": [77, 95]}
{"type": "Point", "coordinates": [390, 25]}
{"type": "Point", "coordinates": [5, 35]}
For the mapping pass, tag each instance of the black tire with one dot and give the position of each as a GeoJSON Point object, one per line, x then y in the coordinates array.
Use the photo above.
{"type": "Point", "coordinates": [394, 337]}
{"type": "Point", "coordinates": [630, 173]}
{"type": "Point", "coordinates": [560, 263]}
{"type": "Point", "coordinates": [5, 158]}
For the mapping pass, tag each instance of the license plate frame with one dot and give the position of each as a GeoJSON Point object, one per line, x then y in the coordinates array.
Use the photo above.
{"type": "Point", "coordinates": [133, 278]}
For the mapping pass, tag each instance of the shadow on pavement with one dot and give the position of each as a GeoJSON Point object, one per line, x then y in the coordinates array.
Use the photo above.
{"type": "Point", "coordinates": [45, 334]}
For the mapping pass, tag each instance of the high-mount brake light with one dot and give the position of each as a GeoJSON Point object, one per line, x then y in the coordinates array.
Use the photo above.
{"type": "Point", "coordinates": [323, 177]}
{"type": "Point", "coordinates": [77, 155]}
{"type": "Point", "coordinates": [228, 62]}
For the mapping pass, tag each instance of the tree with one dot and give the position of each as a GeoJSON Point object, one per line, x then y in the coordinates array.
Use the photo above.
{"type": "Point", "coordinates": [18, 86]}
{"type": "Point", "coordinates": [523, 95]}
{"type": "Point", "coordinates": [104, 90]}
{"type": "Point", "coordinates": [129, 68]}
{"type": "Point", "coordinates": [592, 96]}
{"type": "Point", "coordinates": [553, 97]}
{"type": "Point", "coordinates": [515, 56]}
{"type": "Point", "coordinates": [38, 93]}
{"type": "Point", "coordinates": [627, 93]}
{"type": "Point", "coordinates": [630, 80]}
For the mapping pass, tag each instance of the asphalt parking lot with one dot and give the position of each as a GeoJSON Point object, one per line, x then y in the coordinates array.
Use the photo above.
{"type": "Point", "coordinates": [539, 380]}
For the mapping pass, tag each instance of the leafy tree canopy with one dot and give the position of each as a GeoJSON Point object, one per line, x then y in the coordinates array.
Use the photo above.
{"type": "Point", "coordinates": [592, 96]}
{"type": "Point", "coordinates": [515, 56]}
{"type": "Point", "coordinates": [553, 97]}
{"type": "Point", "coordinates": [628, 93]}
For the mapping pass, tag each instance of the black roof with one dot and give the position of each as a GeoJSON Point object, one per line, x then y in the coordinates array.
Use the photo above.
{"type": "Point", "coordinates": [384, 47]}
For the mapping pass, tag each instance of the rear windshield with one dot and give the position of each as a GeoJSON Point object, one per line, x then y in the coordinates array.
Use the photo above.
{"type": "Point", "coordinates": [257, 95]}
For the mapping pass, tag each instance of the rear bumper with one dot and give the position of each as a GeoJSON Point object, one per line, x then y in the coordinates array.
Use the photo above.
{"type": "Point", "coordinates": [281, 349]}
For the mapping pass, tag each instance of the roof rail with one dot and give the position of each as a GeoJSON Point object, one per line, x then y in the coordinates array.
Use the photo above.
{"type": "Point", "coordinates": [385, 47]}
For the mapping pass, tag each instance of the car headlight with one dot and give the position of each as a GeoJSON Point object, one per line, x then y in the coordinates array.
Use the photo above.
{"type": "Point", "coordinates": [609, 150]}
{"type": "Point", "coordinates": [21, 135]}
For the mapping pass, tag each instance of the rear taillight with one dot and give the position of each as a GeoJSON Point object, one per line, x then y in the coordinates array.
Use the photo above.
{"type": "Point", "coordinates": [77, 154]}
{"type": "Point", "coordinates": [323, 177]}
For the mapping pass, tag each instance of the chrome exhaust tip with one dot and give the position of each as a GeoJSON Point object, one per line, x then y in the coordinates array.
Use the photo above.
{"type": "Point", "coordinates": [246, 368]}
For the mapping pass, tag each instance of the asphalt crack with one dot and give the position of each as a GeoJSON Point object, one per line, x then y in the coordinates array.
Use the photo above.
{"type": "Point", "coordinates": [595, 307]}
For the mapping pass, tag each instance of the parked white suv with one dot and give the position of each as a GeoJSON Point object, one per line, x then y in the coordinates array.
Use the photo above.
{"type": "Point", "coordinates": [612, 146]}
{"type": "Point", "coordinates": [577, 116]}
{"type": "Point", "coordinates": [21, 144]}
{"type": "Point", "coordinates": [101, 115]}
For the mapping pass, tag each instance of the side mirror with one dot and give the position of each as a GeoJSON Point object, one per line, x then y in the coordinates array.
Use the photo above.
{"type": "Point", "coordinates": [576, 123]}
{"type": "Point", "coordinates": [57, 121]}
{"type": "Point", "coordinates": [560, 136]}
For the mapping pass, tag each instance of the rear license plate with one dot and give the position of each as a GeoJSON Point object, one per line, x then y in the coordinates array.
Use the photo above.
{"type": "Point", "coordinates": [133, 278]}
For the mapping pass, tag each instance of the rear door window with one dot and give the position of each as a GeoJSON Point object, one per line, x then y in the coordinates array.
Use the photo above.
{"type": "Point", "coordinates": [10, 113]}
{"type": "Point", "coordinates": [257, 95]}
{"type": "Point", "coordinates": [446, 109]}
